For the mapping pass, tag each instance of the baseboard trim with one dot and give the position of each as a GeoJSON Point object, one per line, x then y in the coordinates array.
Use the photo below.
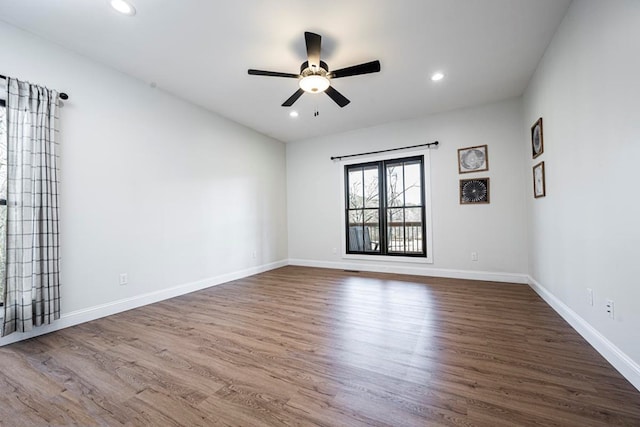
{"type": "Point", "coordinates": [92, 313]}
{"type": "Point", "coordinates": [623, 363]}
{"type": "Point", "coordinates": [417, 271]}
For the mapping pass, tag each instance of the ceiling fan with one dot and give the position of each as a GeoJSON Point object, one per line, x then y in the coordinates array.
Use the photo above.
{"type": "Point", "coordinates": [315, 76]}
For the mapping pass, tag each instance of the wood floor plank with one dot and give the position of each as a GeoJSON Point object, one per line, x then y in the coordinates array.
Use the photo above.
{"type": "Point", "coordinates": [315, 347]}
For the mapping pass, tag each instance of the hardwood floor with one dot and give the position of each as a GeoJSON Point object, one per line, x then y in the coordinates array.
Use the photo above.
{"type": "Point", "coordinates": [305, 346]}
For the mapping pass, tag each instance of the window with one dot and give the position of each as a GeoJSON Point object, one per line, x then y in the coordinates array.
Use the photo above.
{"type": "Point", "coordinates": [3, 195]}
{"type": "Point", "coordinates": [385, 208]}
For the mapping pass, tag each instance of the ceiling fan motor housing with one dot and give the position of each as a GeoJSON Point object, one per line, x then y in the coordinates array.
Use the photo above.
{"type": "Point", "coordinates": [314, 79]}
{"type": "Point", "coordinates": [305, 70]}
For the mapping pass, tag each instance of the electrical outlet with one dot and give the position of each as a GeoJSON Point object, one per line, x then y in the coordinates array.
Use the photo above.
{"type": "Point", "coordinates": [474, 256]}
{"type": "Point", "coordinates": [610, 308]}
{"type": "Point", "coordinates": [124, 279]}
{"type": "Point", "coordinates": [254, 254]}
{"type": "Point", "coordinates": [335, 250]}
{"type": "Point", "coordinates": [590, 296]}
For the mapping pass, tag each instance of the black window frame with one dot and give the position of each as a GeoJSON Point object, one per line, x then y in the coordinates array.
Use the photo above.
{"type": "Point", "coordinates": [383, 230]}
{"type": "Point", "coordinates": [3, 202]}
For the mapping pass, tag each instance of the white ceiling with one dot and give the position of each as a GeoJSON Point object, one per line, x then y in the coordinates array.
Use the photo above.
{"type": "Point", "coordinates": [200, 50]}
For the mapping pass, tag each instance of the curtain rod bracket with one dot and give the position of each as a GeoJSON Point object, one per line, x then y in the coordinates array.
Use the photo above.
{"type": "Point", "coordinates": [429, 144]}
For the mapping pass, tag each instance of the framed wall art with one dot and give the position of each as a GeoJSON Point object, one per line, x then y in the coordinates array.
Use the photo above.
{"type": "Point", "coordinates": [473, 159]}
{"type": "Point", "coordinates": [537, 141]}
{"type": "Point", "coordinates": [539, 189]}
{"type": "Point", "coordinates": [474, 191]}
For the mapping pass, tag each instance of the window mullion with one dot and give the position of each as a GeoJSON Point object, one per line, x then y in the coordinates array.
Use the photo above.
{"type": "Point", "coordinates": [382, 197]}
{"type": "Point", "coordinates": [404, 210]}
{"type": "Point", "coordinates": [362, 211]}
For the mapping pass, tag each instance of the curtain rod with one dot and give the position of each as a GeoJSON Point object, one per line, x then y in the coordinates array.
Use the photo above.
{"type": "Point", "coordinates": [63, 95]}
{"type": "Point", "coordinates": [429, 144]}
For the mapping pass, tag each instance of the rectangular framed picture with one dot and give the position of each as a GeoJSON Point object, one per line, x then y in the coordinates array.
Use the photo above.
{"type": "Point", "coordinates": [539, 189]}
{"type": "Point", "coordinates": [537, 141]}
{"type": "Point", "coordinates": [473, 159]}
{"type": "Point", "coordinates": [474, 191]}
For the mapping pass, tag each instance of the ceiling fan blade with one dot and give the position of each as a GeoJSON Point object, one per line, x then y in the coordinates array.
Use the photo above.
{"type": "Point", "coordinates": [293, 98]}
{"type": "Point", "coordinates": [337, 96]}
{"type": "Point", "coordinates": [313, 48]}
{"type": "Point", "coordinates": [366, 68]}
{"type": "Point", "coordinates": [272, 74]}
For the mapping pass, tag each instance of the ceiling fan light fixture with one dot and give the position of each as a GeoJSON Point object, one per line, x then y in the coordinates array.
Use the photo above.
{"type": "Point", "coordinates": [122, 6]}
{"type": "Point", "coordinates": [314, 83]}
{"type": "Point", "coordinates": [314, 74]}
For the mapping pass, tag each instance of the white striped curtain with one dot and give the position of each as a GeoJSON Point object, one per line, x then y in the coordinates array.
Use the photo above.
{"type": "Point", "coordinates": [32, 295]}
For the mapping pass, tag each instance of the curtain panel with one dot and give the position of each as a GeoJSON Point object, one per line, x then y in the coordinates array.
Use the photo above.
{"type": "Point", "coordinates": [32, 288]}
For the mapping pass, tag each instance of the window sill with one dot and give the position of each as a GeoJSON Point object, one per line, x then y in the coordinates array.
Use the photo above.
{"type": "Point", "coordinates": [386, 258]}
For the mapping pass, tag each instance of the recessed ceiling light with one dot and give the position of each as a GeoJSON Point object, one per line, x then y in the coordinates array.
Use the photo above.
{"type": "Point", "coordinates": [293, 114]}
{"type": "Point", "coordinates": [123, 7]}
{"type": "Point", "coordinates": [437, 76]}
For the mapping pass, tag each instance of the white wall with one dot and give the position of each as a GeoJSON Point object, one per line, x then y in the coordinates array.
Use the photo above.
{"type": "Point", "coordinates": [151, 185]}
{"type": "Point", "coordinates": [496, 231]}
{"type": "Point", "coordinates": [585, 233]}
